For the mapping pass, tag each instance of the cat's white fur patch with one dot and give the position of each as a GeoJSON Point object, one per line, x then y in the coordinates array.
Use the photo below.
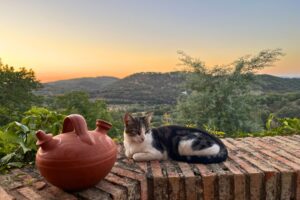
{"type": "Point", "coordinates": [142, 151]}
{"type": "Point", "coordinates": [185, 149]}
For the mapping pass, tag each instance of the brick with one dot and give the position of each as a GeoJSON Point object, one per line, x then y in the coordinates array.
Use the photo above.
{"type": "Point", "coordinates": [94, 194]}
{"type": "Point", "coordinates": [223, 181]}
{"type": "Point", "coordinates": [156, 169]}
{"type": "Point", "coordinates": [24, 177]}
{"type": "Point", "coordinates": [17, 172]}
{"type": "Point", "coordinates": [262, 145]}
{"type": "Point", "coordinates": [227, 181]}
{"type": "Point", "coordinates": [4, 195]}
{"type": "Point", "coordinates": [175, 184]}
{"type": "Point", "coordinates": [10, 182]}
{"type": "Point", "coordinates": [143, 166]}
{"type": "Point", "coordinates": [255, 176]}
{"type": "Point", "coordinates": [131, 185]}
{"type": "Point", "coordinates": [287, 144]}
{"type": "Point", "coordinates": [295, 158]}
{"type": "Point", "coordinates": [118, 193]}
{"type": "Point", "coordinates": [127, 173]}
{"type": "Point", "coordinates": [286, 185]}
{"type": "Point", "coordinates": [295, 166]}
{"type": "Point", "coordinates": [129, 165]}
{"type": "Point", "coordinates": [251, 172]}
{"type": "Point", "coordinates": [225, 186]}
{"type": "Point", "coordinates": [53, 192]}
{"type": "Point", "coordinates": [39, 185]}
{"type": "Point", "coordinates": [190, 181]}
{"type": "Point", "coordinates": [229, 145]}
{"type": "Point", "coordinates": [160, 183]}
{"type": "Point", "coordinates": [288, 140]}
{"type": "Point", "coordinates": [135, 176]}
{"type": "Point", "coordinates": [271, 177]}
{"type": "Point", "coordinates": [291, 164]}
{"type": "Point", "coordinates": [286, 174]}
{"type": "Point", "coordinates": [29, 193]}
{"type": "Point", "coordinates": [290, 154]}
{"type": "Point", "coordinates": [208, 181]}
{"type": "Point", "coordinates": [239, 180]}
{"type": "Point", "coordinates": [296, 137]}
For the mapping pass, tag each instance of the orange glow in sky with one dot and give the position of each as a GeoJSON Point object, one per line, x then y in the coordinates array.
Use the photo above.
{"type": "Point", "coordinates": [63, 39]}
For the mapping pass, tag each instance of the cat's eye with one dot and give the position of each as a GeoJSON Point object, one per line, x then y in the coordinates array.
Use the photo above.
{"type": "Point", "coordinates": [133, 133]}
{"type": "Point", "coordinates": [137, 133]}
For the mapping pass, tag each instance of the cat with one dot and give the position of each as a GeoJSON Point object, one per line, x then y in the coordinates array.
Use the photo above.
{"type": "Point", "coordinates": [143, 143]}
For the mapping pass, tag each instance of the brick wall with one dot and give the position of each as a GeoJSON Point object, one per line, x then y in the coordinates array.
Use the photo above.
{"type": "Point", "coordinates": [257, 168]}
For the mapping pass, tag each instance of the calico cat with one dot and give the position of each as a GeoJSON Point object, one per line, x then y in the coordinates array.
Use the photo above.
{"type": "Point", "coordinates": [143, 143]}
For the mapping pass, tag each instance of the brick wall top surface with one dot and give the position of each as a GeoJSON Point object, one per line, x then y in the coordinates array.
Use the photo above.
{"type": "Point", "coordinates": [257, 168]}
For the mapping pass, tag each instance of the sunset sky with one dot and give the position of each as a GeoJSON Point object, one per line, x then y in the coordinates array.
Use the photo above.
{"type": "Point", "coordinates": [62, 39]}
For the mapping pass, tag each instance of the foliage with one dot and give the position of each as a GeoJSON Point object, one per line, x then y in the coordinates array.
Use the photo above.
{"type": "Point", "coordinates": [268, 83]}
{"type": "Point", "coordinates": [167, 119]}
{"type": "Point", "coordinates": [43, 119]}
{"type": "Point", "coordinates": [16, 94]}
{"type": "Point", "coordinates": [17, 139]}
{"type": "Point", "coordinates": [276, 126]}
{"type": "Point", "coordinates": [143, 88]}
{"type": "Point", "coordinates": [282, 126]}
{"type": "Point", "coordinates": [281, 104]}
{"type": "Point", "coordinates": [152, 89]}
{"type": "Point", "coordinates": [79, 102]}
{"type": "Point", "coordinates": [221, 97]}
{"type": "Point", "coordinates": [213, 131]}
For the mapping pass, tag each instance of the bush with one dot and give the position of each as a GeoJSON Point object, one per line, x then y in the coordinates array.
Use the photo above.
{"type": "Point", "coordinates": [221, 96]}
{"type": "Point", "coordinates": [18, 141]}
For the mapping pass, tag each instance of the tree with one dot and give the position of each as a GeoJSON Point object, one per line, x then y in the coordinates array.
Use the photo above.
{"type": "Point", "coordinates": [220, 97]}
{"type": "Point", "coordinates": [16, 92]}
{"type": "Point", "coordinates": [79, 102]}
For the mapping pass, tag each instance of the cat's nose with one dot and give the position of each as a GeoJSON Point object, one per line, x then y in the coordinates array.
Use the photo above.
{"type": "Point", "coordinates": [142, 139]}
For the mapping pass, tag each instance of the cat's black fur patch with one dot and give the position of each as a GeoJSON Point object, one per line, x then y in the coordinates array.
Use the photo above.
{"type": "Point", "coordinates": [167, 138]}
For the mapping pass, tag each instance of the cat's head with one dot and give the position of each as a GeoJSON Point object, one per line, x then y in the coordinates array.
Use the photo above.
{"type": "Point", "coordinates": [137, 127]}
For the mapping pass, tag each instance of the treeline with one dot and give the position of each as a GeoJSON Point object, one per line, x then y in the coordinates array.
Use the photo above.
{"type": "Point", "coordinates": [154, 88]}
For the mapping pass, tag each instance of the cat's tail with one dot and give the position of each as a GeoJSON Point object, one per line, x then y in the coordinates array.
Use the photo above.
{"type": "Point", "coordinates": [221, 156]}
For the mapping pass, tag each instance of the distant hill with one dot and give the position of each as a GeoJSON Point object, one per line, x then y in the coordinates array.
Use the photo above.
{"type": "Point", "coordinates": [78, 84]}
{"type": "Point", "coordinates": [268, 83]}
{"type": "Point", "coordinates": [153, 88]}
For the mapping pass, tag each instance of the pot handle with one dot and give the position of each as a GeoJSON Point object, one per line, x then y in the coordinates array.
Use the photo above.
{"type": "Point", "coordinates": [77, 122]}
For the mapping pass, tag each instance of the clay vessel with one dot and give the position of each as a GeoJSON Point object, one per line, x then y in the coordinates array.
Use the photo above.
{"type": "Point", "coordinates": [77, 158]}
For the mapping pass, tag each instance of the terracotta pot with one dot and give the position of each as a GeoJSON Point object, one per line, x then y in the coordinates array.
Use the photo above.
{"type": "Point", "coordinates": [77, 158]}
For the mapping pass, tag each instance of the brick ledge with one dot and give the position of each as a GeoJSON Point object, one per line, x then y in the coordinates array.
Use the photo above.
{"type": "Point", "coordinates": [257, 168]}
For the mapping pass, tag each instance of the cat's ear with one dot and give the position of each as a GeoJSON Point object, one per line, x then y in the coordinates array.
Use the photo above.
{"type": "Point", "coordinates": [149, 116]}
{"type": "Point", "coordinates": [127, 118]}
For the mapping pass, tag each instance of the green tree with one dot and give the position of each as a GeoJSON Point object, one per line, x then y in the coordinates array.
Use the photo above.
{"type": "Point", "coordinates": [220, 98]}
{"type": "Point", "coordinates": [79, 102]}
{"type": "Point", "coordinates": [16, 96]}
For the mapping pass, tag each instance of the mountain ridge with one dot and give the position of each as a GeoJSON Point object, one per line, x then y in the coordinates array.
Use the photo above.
{"type": "Point", "coordinates": [152, 87]}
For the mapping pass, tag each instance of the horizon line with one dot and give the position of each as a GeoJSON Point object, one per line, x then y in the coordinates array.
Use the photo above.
{"type": "Point", "coordinates": [111, 76]}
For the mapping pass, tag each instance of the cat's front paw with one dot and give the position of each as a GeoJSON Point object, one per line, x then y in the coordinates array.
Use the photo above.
{"type": "Point", "coordinates": [138, 157]}
{"type": "Point", "coordinates": [128, 154]}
